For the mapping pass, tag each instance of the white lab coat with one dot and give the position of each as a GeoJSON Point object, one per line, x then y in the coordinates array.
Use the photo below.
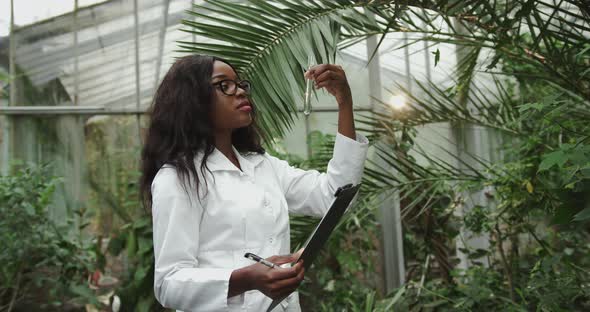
{"type": "Point", "coordinates": [197, 244]}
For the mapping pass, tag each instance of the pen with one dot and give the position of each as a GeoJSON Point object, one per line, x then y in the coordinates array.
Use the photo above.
{"type": "Point", "coordinates": [256, 258]}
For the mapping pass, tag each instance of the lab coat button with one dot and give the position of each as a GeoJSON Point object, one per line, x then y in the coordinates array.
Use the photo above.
{"type": "Point", "coordinates": [271, 240]}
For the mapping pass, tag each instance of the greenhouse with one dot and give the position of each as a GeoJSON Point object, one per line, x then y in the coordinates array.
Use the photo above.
{"type": "Point", "coordinates": [465, 125]}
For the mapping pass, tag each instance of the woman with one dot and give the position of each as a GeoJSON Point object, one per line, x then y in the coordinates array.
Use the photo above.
{"type": "Point", "coordinates": [215, 194]}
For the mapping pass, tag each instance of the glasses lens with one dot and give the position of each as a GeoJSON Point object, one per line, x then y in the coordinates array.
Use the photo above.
{"type": "Point", "coordinates": [245, 84]}
{"type": "Point", "coordinates": [228, 87]}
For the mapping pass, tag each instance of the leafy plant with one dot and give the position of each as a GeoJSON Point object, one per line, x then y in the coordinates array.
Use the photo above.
{"type": "Point", "coordinates": [41, 263]}
{"type": "Point", "coordinates": [134, 241]}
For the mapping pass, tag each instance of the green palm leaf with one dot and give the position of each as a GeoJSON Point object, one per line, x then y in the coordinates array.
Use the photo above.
{"type": "Point", "coordinates": [269, 42]}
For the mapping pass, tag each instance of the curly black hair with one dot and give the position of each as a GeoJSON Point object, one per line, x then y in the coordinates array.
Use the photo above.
{"type": "Point", "coordinates": [180, 126]}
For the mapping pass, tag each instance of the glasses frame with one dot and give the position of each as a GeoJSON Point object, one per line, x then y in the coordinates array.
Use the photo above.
{"type": "Point", "coordinates": [238, 84]}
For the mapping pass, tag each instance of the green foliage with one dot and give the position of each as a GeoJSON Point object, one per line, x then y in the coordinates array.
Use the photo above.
{"type": "Point", "coordinates": [477, 220]}
{"type": "Point", "coordinates": [134, 241]}
{"type": "Point", "coordinates": [40, 261]}
{"type": "Point", "coordinates": [269, 43]}
{"type": "Point", "coordinates": [551, 285]}
{"type": "Point", "coordinates": [537, 191]}
{"type": "Point", "coordinates": [4, 81]}
{"type": "Point", "coordinates": [345, 273]}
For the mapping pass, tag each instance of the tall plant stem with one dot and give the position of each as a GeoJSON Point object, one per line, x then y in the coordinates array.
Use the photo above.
{"type": "Point", "coordinates": [505, 265]}
{"type": "Point", "coordinates": [15, 292]}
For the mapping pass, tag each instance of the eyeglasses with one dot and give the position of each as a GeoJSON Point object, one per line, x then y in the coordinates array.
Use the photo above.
{"type": "Point", "coordinates": [230, 87]}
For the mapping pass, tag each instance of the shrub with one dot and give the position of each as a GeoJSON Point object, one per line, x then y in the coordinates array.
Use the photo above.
{"type": "Point", "coordinates": [41, 263]}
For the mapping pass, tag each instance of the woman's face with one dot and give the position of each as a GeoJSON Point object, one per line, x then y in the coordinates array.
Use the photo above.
{"type": "Point", "coordinates": [229, 111]}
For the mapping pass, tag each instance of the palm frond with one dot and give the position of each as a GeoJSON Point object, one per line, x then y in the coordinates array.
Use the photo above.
{"type": "Point", "coordinates": [269, 42]}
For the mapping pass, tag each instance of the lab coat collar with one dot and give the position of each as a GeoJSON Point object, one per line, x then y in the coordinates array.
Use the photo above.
{"type": "Point", "coordinates": [217, 161]}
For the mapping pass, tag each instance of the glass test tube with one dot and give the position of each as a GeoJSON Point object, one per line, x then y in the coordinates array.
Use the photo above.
{"type": "Point", "coordinates": [308, 90]}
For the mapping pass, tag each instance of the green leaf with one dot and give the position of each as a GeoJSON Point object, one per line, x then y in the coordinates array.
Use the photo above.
{"type": "Point", "coordinates": [529, 186]}
{"type": "Point", "coordinates": [29, 209]}
{"type": "Point", "coordinates": [131, 245]}
{"type": "Point", "coordinates": [583, 215]}
{"type": "Point", "coordinates": [555, 158]}
{"type": "Point", "coordinates": [142, 222]}
{"type": "Point", "coordinates": [140, 274]}
{"type": "Point", "coordinates": [563, 215]}
{"type": "Point", "coordinates": [84, 292]}
{"type": "Point", "coordinates": [436, 57]}
{"type": "Point", "coordinates": [536, 106]}
{"type": "Point", "coordinates": [398, 294]}
{"type": "Point", "coordinates": [116, 245]}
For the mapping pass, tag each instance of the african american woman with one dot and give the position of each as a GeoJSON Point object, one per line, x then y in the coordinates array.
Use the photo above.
{"type": "Point", "coordinates": [215, 194]}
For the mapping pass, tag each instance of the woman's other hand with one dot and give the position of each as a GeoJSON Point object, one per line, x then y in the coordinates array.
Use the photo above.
{"type": "Point", "coordinates": [274, 282]}
{"type": "Point", "coordinates": [333, 79]}
{"type": "Point", "coordinates": [277, 282]}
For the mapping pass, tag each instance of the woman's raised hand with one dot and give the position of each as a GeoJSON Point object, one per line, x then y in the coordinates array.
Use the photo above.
{"type": "Point", "coordinates": [333, 79]}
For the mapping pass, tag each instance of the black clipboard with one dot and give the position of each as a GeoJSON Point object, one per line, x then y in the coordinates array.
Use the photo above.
{"type": "Point", "coordinates": [320, 235]}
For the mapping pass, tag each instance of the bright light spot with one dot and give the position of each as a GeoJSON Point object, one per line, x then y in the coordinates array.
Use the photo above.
{"type": "Point", "coordinates": [398, 102]}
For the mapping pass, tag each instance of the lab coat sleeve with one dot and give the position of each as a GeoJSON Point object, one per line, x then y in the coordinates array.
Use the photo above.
{"type": "Point", "coordinates": [310, 192]}
{"type": "Point", "coordinates": [179, 283]}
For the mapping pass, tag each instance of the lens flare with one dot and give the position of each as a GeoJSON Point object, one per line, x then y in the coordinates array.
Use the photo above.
{"type": "Point", "coordinates": [398, 102]}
